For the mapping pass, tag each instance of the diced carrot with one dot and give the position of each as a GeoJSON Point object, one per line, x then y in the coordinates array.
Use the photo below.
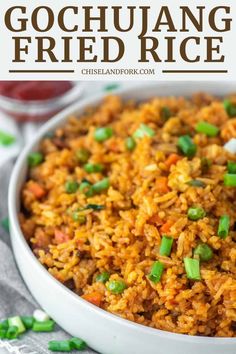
{"type": "Point", "coordinates": [166, 227]}
{"type": "Point", "coordinates": [155, 219]}
{"type": "Point", "coordinates": [172, 160]}
{"type": "Point", "coordinates": [37, 190]}
{"type": "Point", "coordinates": [95, 298]}
{"type": "Point", "coordinates": [60, 237]}
{"type": "Point", "coordinates": [161, 185]}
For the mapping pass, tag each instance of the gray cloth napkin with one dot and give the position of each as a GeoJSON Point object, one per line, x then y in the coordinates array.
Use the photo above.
{"type": "Point", "coordinates": [15, 298]}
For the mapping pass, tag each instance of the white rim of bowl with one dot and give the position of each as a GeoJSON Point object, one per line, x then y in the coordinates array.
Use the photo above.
{"type": "Point", "coordinates": [16, 230]}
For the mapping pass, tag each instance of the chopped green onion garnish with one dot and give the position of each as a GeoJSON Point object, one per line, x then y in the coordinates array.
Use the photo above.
{"type": "Point", "coordinates": [156, 272]}
{"type": "Point", "coordinates": [102, 134]}
{"type": "Point", "coordinates": [166, 245]}
{"type": "Point", "coordinates": [3, 333]}
{"type": "Point", "coordinates": [196, 213]}
{"type": "Point", "coordinates": [95, 207]}
{"type": "Point", "coordinates": [207, 128]}
{"type": "Point", "coordinates": [142, 131]}
{"type": "Point", "coordinates": [28, 321]}
{"type": "Point", "coordinates": [6, 139]}
{"type": "Point", "coordinates": [4, 324]}
{"type": "Point", "coordinates": [230, 108]}
{"type": "Point", "coordinates": [60, 346]}
{"type": "Point", "coordinates": [165, 113]}
{"type": "Point", "coordinates": [111, 87]}
{"type": "Point", "coordinates": [103, 277]}
{"type": "Point", "coordinates": [130, 143]}
{"type": "Point", "coordinates": [192, 268]}
{"type": "Point", "coordinates": [81, 219]}
{"type": "Point", "coordinates": [71, 187]}
{"type": "Point", "coordinates": [46, 326]}
{"type": "Point", "coordinates": [12, 332]}
{"type": "Point", "coordinates": [116, 286]}
{"type": "Point", "coordinates": [205, 164]}
{"type": "Point", "coordinates": [5, 224]}
{"type": "Point", "coordinates": [78, 344]}
{"type": "Point", "coordinates": [82, 155]}
{"type": "Point", "coordinates": [92, 168]}
{"type": "Point", "coordinates": [230, 180]}
{"type": "Point", "coordinates": [98, 187]}
{"type": "Point", "coordinates": [186, 146]}
{"type": "Point", "coordinates": [231, 166]}
{"type": "Point", "coordinates": [223, 228]}
{"type": "Point", "coordinates": [35, 159]}
{"type": "Point", "coordinates": [196, 183]}
{"type": "Point", "coordinates": [204, 252]}
{"type": "Point", "coordinates": [85, 184]}
{"type": "Point", "coordinates": [16, 321]}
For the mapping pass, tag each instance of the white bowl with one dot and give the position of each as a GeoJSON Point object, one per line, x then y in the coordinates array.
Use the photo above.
{"type": "Point", "coordinates": [106, 333]}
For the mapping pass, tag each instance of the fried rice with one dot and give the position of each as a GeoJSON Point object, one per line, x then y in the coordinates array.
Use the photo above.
{"type": "Point", "coordinates": [119, 229]}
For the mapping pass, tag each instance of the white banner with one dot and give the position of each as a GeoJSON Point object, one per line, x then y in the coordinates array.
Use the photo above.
{"type": "Point", "coordinates": [115, 40]}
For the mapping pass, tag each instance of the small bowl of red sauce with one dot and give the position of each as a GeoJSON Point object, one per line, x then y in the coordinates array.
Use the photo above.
{"type": "Point", "coordinates": [37, 100]}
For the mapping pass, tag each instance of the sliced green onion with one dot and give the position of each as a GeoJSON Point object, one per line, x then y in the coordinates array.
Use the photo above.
{"type": "Point", "coordinates": [196, 183]}
{"type": "Point", "coordinates": [192, 268]}
{"type": "Point", "coordinates": [3, 333]}
{"type": "Point", "coordinates": [60, 346]}
{"type": "Point", "coordinates": [71, 187]}
{"type": "Point", "coordinates": [230, 108]}
{"type": "Point", "coordinates": [130, 143]}
{"type": "Point", "coordinates": [83, 155]}
{"type": "Point", "coordinates": [166, 245]}
{"type": "Point", "coordinates": [6, 139]}
{"type": "Point", "coordinates": [85, 184]}
{"type": "Point", "coordinates": [111, 87]}
{"type": "Point", "coordinates": [35, 159]}
{"type": "Point", "coordinates": [165, 113]}
{"type": "Point", "coordinates": [103, 277]}
{"type": "Point", "coordinates": [116, 286]}
{"type": "Point", "coordinates": [186, 146]}
{"type": "Point", "coordinates": [103, 134]}
{"type": "Point", "coordinates": [204, 252]}
{"type": "Point", "coordinates": [231, 166]}
{"type": "Point", "coordinates": [12, 332]}
{"type": "Point", "coordinates": [207, 128]}
{"type": "Point", "coordinates": [230, 180]}
{"type": "Point", "coordinates": [98, 187]}
{"type": "Point", "coordinates": [223, 228]}
{"type": "Point", "coordinates": [5, 224]}
{"type": "Point", "coordinates": [205, 164]}
{"type": "Point", "coordinates": [196, 213]}
{"type": "Point", "coordinates": [95, 207]}
{"type": "Point", "coordinates": [93, 168]}
{"type": "Point", "coordinates": [4, 324]}
{"type": "Point", "coordinates": [16, 321]}
{"type": "Point", "coordinates": [46, 326]}
{"type": "Point", "coordinates": [28, 321]}
{"type": "Point", "coordinates": [142, 131]}
{"type": "Point", "coordinates": [81, 219]}
{"type": "Point", "coordinates": [78, 344]}
{"type": "Point", "coordinates": [156, 272]}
